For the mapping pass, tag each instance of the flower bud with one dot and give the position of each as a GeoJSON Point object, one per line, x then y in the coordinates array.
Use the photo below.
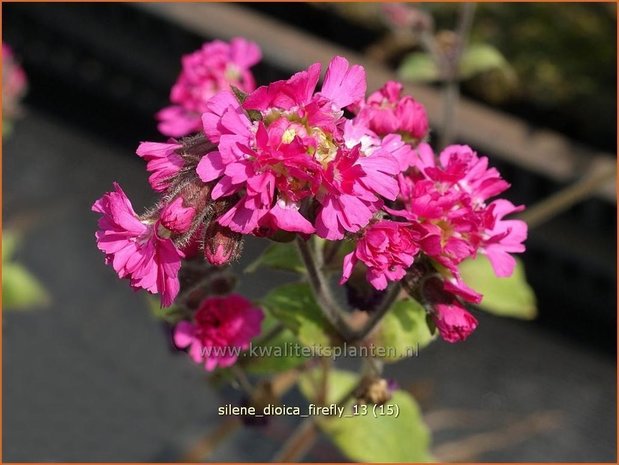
{"type": "Point", "coordinates": [221, 245]}
{"type": "Point", "coordinates": [177, 218]}
{"type": "Point", "coordinates": [452, 320]}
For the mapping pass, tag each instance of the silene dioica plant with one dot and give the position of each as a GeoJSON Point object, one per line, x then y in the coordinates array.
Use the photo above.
{"type": "Point", "coordinates": [346, 189]}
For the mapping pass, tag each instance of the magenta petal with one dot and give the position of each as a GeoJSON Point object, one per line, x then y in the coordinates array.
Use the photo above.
{"type": "Point", "coordinates": [175, 121]}
{"type": "Point", "coordinates": [289, 219]}
{"type": "Point", "coordinates": [502, 263]}
{"type": "Point", "coordinates": [211, 166]}
{"type": "Point", "coordinates": [347, 266]}
{"type": "Point", "coordinates": [183, 334]}
{"type": "Point", "coordinates": [344, 85]}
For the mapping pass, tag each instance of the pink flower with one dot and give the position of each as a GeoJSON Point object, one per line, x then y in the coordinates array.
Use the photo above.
{"type": "Point", "coordinates": [452, 320]}
{"type": "Point", "coordinates": [386, 112]}
{"type": "Point", "coordinates": [136, 249]}
{"type": "Point", "coordinates": [292, 168]}
{"type": "Point", "coordinates": [387, 248]}
{"type": "Point", "coordinates": [163, 162]}
{"type": "Point", "coordinates": [447, 197]}
{"type": "Point", "coordinates": [503, 237]}
{"type": "Point", "coordinates": [216, 66]}
{"type": "Point", "coordinates": [221, 328]}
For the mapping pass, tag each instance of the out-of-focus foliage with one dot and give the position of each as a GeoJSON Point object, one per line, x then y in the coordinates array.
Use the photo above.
{"type": "Point", "coordinates": [563, 55]}
{"type": "Point", "coordinates": [512, 296]}
{"type": "Point", "coordinates": [20, 289]}
{"type": "Point", "coordinates": [375, 433]}
{"type": "Point", "coordinates": [294, 305]}
{"type": "Point", "coordinates": [404, 329]}
{"type": "Point", "coordinates": [476, 60]}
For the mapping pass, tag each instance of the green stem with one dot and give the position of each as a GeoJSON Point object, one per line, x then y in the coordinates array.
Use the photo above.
{"type": "Point", "coordinates": [322, 292]}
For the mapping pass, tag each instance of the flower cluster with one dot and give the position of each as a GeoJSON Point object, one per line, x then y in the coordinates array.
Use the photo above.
{"type": "Point", "coordinates": [216, 66]}
{"type": "Point", "coordinates": [288, 157]}
{"type": "Point", "coordinates": [292, 159]}
{"type": "Point", "coordinates": [14, 84]}
{"type": "Point", "coordinates": [444, 214]}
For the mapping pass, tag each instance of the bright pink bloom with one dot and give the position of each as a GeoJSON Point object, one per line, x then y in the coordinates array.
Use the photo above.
{"type": "Point", "coordinates": [447, 197]}
{"type": "Point", "coordinates": [163, 162]}
{"type": "Point", "coordinates": [221, 328]}
{"type": "Point", "coordinates": [216, 66]}
{"type": "Point", "coordinates": [177, 218]}
{"type": "Point", "coordinates": [135, 248]}
{"type": "Point", "coordinates": [453, 321]}
{"type": "Point", "coordinates": [503, 237]}
{"type": "Point", "coordinates": [387, 112]}
{"type": "Point", "coordinates": [387, 248]}
{"type": "Point", "coordinates": [296, 154]}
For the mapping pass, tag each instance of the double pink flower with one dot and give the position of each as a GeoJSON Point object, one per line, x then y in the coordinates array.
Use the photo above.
{"type": "Point", "coordinates": [220, 329]}
{"type": "Point", "coordinates": [290, 165]}
{"type": "Point", "coordinates": [141, 250]}
{"type": "Point", "coordinates": [215, 67]}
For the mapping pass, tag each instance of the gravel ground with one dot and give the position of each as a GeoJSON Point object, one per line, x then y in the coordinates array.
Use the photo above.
{"type": "Point", "coordinates": [92, 378]}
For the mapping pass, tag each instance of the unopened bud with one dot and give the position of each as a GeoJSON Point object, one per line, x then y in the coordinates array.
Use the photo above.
{"type": "Point", "coordinates": [177, 218]}
{"type": "Point", "coordinates": [452, 320]}
{"type": "Point", "coordinates": [221, 245]}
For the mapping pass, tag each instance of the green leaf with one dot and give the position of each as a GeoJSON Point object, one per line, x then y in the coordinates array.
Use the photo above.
{"type": "Point", "coordinates": [339, 384]}
{"type": "Point", "coordinates": [20, 289]}
{"type": "Point", "coordinates": [274, 355]}
{"type": "Point", "coordinates": [419, 67]}
{"type": "Point", "coordinates": [279, 256]}
{"type": "Point", "coordinates": [294, 305]}
{"type": "Point", "coordinates": [7, 127]}
{"type": "Point", "coordinates": [366, 438]}
{"type": "Point", "coordinates": [403, 330]}
{"type": "Point", "coordinates": [511, 296]}
{"type": "Point", "coordinates": [480, 58]}
{"type": "Point", "coordinates": [10, 242]}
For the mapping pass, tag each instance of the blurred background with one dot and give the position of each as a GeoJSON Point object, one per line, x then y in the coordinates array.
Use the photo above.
{"type": "Point", "coordinates": [89, 374]}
